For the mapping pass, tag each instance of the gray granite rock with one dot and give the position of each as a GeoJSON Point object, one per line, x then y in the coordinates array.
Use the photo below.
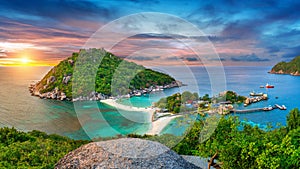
{"type": "Point", "coordinates": [124, 153]}
{"type": "Point", "coordinates": [198, 161]}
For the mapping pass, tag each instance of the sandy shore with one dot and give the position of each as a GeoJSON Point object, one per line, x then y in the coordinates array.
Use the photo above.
{"type": "Point", "coordinates": [117, 105]}
{"type": "Point", "coordinates": [160, 124]}
{"type": "Point", "coordinates": [157, 126]}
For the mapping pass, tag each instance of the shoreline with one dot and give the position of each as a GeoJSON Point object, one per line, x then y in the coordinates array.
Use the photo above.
{"type": "Point", "coordinates": [160, 124]}
{"type": "Point", "coordinates": [156, 126]}
{"type": "Point", "coordinates": [114, 103]}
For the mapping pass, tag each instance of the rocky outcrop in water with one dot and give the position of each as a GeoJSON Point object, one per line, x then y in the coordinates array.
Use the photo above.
{"type": "Point", "coordinates": [124, 153]}
{"type": "Point", "coordinates": [54, 94]}
{"type": "Point", "coordinates": [291, 68]}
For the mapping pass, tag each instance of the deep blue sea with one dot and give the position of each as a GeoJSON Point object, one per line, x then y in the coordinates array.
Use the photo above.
{"type": "Point", "coordinates": [20, 110]}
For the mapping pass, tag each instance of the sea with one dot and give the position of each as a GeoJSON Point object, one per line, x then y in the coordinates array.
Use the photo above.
{"type": "Point", "coordinates": [91, 120]}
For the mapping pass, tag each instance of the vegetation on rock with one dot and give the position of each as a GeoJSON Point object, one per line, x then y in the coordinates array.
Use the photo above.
{"type": "Point", "coordinates": [292, 67]}
{"type": "Point", "coordinates": [231, 96]}
{"type": "Point", "coordinates": [175, 102]}
{"type": "Point", "coordinates": [125, 76]}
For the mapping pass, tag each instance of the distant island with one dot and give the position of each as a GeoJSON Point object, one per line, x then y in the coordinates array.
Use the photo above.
{"type": "Point", "coordinates": [292, 67]}
{"type": "Point", "coordinates": [57, 84]}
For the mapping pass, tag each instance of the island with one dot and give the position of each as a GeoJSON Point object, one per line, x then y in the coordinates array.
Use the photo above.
{"type": "Point", "coordinates": [132, 80]}
{"type": "Point", "coordinates": [57, 84]}
{"type": "Point", "coordinates": [291, 68]}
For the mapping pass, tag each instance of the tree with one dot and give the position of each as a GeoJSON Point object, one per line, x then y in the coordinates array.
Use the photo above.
{"type": "Point", "coordinates": [293, 119]}
{"type": "Point", "coordinates": [186, 95]}
{"type": "Point", "coordinates": [205, 98]}
{"type": "Point", "coordinates": [34, 149]}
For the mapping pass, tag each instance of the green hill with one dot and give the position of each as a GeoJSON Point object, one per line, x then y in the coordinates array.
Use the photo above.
{"type": "Point", "coordinates": [127, 77]}
{"type": "Point", "coordinates": [292, 67]}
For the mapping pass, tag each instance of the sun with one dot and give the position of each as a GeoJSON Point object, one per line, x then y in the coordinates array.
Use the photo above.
{"type": "Point", "coordinates": [24, 60]}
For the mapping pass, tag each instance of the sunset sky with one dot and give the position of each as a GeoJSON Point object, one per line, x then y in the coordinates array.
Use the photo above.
{"type": "Point", "coordinates": [43, 32]}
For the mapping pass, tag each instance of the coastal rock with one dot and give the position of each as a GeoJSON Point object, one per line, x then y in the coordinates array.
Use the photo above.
{"type": "Point", "coordinates": [277, 72]}
{"type": "Point", "coordinates": [71, 62]}
{"type": "Point", "coordinates": [124, 153]}
{"type": "Point", "coordinates": [51, 79]}
{"type": "Point", "coordinates": [295, 73]}
{"type": "Point", "coordinates": [66, 79]}
{"type": "Point", "coordinates": [62, 96]}
{"type": "Point", "coordinates": [282, 72]}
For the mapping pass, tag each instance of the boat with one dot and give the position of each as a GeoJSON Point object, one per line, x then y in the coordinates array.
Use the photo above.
{"type": "Point", "coordinates": [283, 107]}
{"type": "Point", "coordinates": [256, 94]}
{"type": "Point", "coordinates": [268, 108]}
{"type": "Point", "coordinates": [269, 86]}
{"type": "Point", "coordinates": [261, 86]}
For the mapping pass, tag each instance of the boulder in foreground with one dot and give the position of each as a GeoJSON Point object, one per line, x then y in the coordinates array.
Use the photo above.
{"type": "Point", "coordinates": [123, 153]}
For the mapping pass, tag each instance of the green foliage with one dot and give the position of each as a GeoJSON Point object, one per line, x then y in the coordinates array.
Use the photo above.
{"type": "Point", "coordinates": [189, 144]}
{"type": "Point", "coordinates": [186, 95]}
{"type": "Point", "coordinates": [288, 67]}
{"type": "Point", "coordinates": [240, 99]}
{"type": "Point", "coordinates": [293, 119]}
{"type": "Point", "coordinates": [238, 145]}
{"type": "Point", "coordinates": [249, 147]}
{"type": "Point", "coordinates": [125, 76]}
{"type": "Point", "coordinates": [174, 103]}
{"type": "Point", "coordinates": [205, 98]}
{"type": "Point", "coordinates": [231, 96]}
{"type": "Point", "coordinates": [34, 149]}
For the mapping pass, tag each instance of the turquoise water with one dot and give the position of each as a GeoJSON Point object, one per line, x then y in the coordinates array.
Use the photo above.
{"type": "Point", "coordinates": [242, 80]}
{"type": "Point", "coordinates": [19, 109]}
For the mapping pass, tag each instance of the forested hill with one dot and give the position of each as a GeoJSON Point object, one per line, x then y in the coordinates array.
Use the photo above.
{"type": "Point", "coordinates": [57, 84]}
{"type": "Point", "coordinates": [292, 67]}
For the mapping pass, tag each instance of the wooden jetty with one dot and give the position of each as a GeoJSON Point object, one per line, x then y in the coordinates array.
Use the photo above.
{"type": "Point", "coordinates": [276, 106]}
{"type": "Point", "coordinates": [247, 110]}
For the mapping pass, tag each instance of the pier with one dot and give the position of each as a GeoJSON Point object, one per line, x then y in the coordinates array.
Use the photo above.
{"type": "Point", "coordinates": [270, 108]}
{"type": "Point", "coordinates": [247, 110]}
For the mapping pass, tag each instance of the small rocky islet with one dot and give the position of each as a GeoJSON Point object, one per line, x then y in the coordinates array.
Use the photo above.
{"type": "Point", "coordinates": [291, 68]}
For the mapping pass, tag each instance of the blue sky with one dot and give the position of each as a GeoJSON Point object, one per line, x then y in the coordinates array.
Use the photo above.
{"type": "Point", "coordinates": [243, 33]}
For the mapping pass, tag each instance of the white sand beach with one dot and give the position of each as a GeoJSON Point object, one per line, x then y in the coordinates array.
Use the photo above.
{"type": "Point", "coordinates": [157, 126]}
{"type": "Point", "coordinates": [160, 124]}
{"type": "Point", "coordinates": [117, 105]}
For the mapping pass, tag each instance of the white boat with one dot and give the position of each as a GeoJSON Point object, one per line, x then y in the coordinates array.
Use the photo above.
{"type": "Point", "coordinates": [256, 94]}
{"type": "Point", "coordinates": [283, 107]}
{"type": "Point", "coordinates": [269, 108]}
